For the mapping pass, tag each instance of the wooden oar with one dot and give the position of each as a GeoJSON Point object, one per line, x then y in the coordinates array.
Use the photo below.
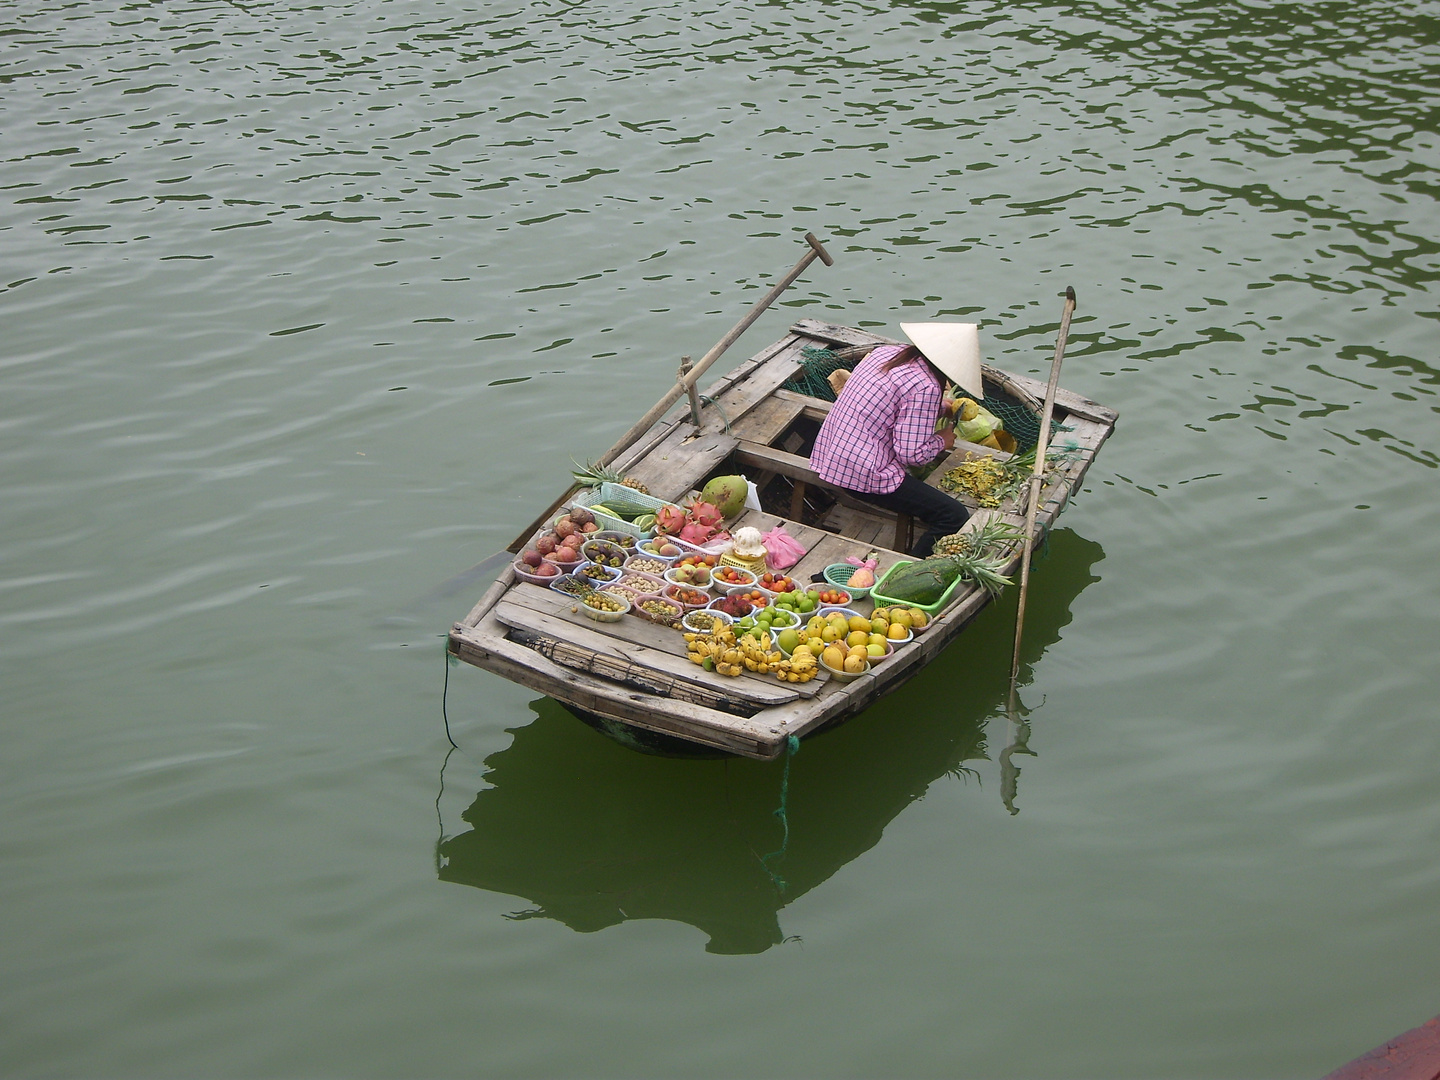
{"type": "Point", "coordinates": [690, 378]}
{"type": "Point", "coordinates": [687, 381]}
{"type": "Point", "coordinates": [1037, 481]}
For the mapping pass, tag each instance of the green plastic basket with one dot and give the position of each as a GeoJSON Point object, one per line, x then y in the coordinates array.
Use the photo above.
{"type": "Point", "coordinates": [610, 522]}
{"type": "Point", "coordinates": [877, 594]}
{"type": "Point", "coordinates": [839, 573]}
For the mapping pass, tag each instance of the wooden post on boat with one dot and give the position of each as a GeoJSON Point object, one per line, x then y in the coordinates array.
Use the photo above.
{"type": "Point", "coordinates": [1037, 481]}
{"type": "Point", "coordinates": [694, 394]}
{"type": "Point", "coordinates": [686, 383]}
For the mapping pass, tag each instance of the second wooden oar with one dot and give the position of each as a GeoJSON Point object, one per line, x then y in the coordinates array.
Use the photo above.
{"type": "Point", "coordinates": [1037, 481]}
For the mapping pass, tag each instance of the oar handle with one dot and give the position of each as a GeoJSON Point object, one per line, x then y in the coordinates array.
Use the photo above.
{"type": "Point", "coordinates": [685, 384]}
{"type": "Point", "coordinates": [682, 386]}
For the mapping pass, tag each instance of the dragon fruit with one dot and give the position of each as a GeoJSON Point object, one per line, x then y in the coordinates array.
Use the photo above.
{"type": "Point", "coordinates": [669, 520]}
{"type": "Point", "coordinates": [696, 533]}
{"type": "Point", "coordinates": [703, 513]}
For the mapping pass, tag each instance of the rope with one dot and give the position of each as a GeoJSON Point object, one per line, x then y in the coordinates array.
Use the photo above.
{"type": "Point", "coordinates": [792, 747]}
{"type": "Point", "coordinates": [444, 695]}
{"type": "Point", "coordinates": [705, 399]}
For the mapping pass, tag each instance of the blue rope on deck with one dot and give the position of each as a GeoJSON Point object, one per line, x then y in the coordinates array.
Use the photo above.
{"type": "Point", "coordinates": [792, 747]}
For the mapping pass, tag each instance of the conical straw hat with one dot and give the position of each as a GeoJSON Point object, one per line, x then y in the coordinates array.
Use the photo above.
{"type": "Point", "coordinates": [953, 347]}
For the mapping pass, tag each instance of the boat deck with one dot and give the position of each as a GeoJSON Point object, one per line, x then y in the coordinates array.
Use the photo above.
{"type": "Point", "coordinates": [635, 672]}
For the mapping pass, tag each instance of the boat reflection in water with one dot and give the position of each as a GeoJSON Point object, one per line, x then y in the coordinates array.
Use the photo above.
{"type": "Point", "coordinates": [592, 833]}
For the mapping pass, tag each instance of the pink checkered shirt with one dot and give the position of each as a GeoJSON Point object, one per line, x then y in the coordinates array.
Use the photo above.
{"type": "Point", "coordinates": [882, 422]}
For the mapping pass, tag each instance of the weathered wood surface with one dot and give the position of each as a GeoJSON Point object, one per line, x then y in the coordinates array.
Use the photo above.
{"type": "Point", "coordinates": [635, 673]}
{"type": "Point", "coordinates": [487, 646]}
{"type": "Point", "coordinates": [767, 421]}
{"type": "Point", "coordinates": [681, 461]}
{"type": "Point", "coordinates": [747, 394]}
{"type": "Point", "coordinates": [640, 447]}
{"type": "Point", "coordinates": [869, 529]}
{"type": "Point", "coordinates": [655, 671]}
{"type": "Point", "coordinates": [491, 595]}
{"type": "Point", "coordinates": [633, 638]}
{"type": "Point", "coordinates": [1413, 1055]}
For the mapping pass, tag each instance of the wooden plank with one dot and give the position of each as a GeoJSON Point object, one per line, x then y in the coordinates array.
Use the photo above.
{"type": "Point", "coordinates": [840, 335]}
{"type": "Point", "coordinates": [806, 717]}
{"type": "Point", "coordinates": [834, 549]}
{"type": "Point", "coordinates": [776, 460]}
{"type": "Point", "coordinates": [767, 421]}
{"type": "Point", "coordinates": [681, 461]}
{"type": "Point", "coordinates": [812, 408]}
{"type": "Point", "coordinates": [748, 393]}
{"type": "Point", "coordinates": [492, 594]}
{"type": "Point", "coordinates": [636, 639]}
{"type": "Point", "coordinates": [627, 662]}
{"type": "Point", "coordinates": [860, 526]}
{"type": "Point", "coordinates": [485, 647]}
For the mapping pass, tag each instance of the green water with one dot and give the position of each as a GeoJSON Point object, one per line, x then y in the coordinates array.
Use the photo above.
{"type": "Point", "coordinates": [306, 309]}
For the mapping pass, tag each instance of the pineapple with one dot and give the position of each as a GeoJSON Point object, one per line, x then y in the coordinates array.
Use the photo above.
{"type": "Point", "coordinates": [593, 475]}
{"type": "Point", "coordinates": [953, 544]}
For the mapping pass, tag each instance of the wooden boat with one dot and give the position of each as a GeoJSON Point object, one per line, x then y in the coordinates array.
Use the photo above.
{"type": "Point", "coordinates": [633, 676]}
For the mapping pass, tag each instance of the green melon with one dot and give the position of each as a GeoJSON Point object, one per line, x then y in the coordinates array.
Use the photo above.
{"type": "Point", "coordinates": [727, 494]}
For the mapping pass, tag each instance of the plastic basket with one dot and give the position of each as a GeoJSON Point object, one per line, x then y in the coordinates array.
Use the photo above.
{"type": "Point", "coordinates": [605, 491]}
{"type": "Point", "coordinates": [839, 574]}
{"type": "Point", "coordinates": [877, 594]}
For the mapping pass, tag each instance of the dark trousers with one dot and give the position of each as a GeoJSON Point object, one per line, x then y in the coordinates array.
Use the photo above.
{"type": "Point", "coordinates": [942, 514]}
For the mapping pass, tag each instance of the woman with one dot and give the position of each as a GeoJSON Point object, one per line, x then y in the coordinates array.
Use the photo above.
{"type": "Point", "coordinates": [884, 420]}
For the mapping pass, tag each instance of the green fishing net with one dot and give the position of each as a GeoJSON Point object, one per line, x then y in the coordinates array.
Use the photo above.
{"type": "Point", "coordinates": [817, 364]}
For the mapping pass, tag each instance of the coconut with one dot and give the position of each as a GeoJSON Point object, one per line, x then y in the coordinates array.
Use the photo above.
{"type": "Point", "coordinates": [727, 493]}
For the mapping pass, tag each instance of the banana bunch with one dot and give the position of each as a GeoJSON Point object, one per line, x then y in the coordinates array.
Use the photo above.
{"type": "Point", "coordinates": [801, 667]}
{"type": "Point", "coordinates": [757, 654]}
{"type": "Point", "coordinates": [715, 652]}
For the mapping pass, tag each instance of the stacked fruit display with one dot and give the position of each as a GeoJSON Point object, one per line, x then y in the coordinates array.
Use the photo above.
{"type": "Point", "coordinates": [798, 667]}
{"type": "Point", "coordinates": [604, 552]}
{"type": "Point", "coordinates": [739, 604]}
{"type": "Point", "coordinates": [697, 522]}
{"type": "Point", "coordinates": [804, 601]}
{"type": "Point", "coordinates": [662, 547]}
{"type": "Point", "coordinates": [687, 572]}
{"type": "Point", "coordinates": [717, 651]}
{"type": "Point", "coordinates": [558, 549]}
{"type": "Point", "coordinates": [765, 620]}
{"type": "Point", "coordinates": [687, 596]}
{"type": "Point", "coordinates": [845, 634]}
{"type": "Point", "coordinates": [900, 621]}
{"type": "Point", "coordinates": [724, 652]}
{"type": "Point", "coordinates": [729, 576]}
{"type": "Point", "coordinates": [776, 583]}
